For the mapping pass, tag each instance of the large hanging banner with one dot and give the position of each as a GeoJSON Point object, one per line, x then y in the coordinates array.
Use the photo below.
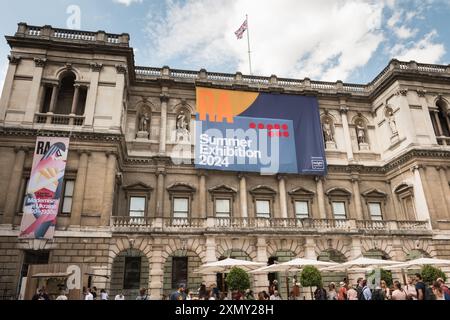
{"type": "Point", "coordinates": [43, 192]}
{"type": "Point", "coordinates": [258, 132]}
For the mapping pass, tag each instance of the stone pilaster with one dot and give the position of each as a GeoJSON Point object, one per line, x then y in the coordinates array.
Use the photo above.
{"type": "Point", "coordinates": [320, 197]}
{"type": "Point", "coordinates": [202, 208]}
{"type": "Point", "coordinates": [163, 124]}
{"type": "Point", "coordinates": [310, 249]}
{"type": "Point", "coordinates": [91, 99]}
{"type": "Point", "coordinates": [243, 196]}
{"type": "Point", "coordinates": [156, 272]}
{"type": "Point", "coordinates": [160, 193]}
{"type": "Point", "coordinates": [78, 194]}
{"type": "Point", "coordinates": [445, 187]}
{"type": "Point", "coordinates": [261, 282]}
{"type": "Point", "coordinates": [282, 196]}
{"type": "Point", "coordinates": [108, 189]}
{"type": "Point", "coordinates": [210, 257]}
{"type": "Point", "coordinates": [357, 198]}
{"type": "Point", "coordinates": [14, 186]}
{"type": "Point", "coordinates": [347, 138]}
{"type": "Point", "coordinates": [119, 96]}
{"type": "Point", "coordinates": [423, 214]}
{"type": "Point", "coordinates": [33, 95]}
{"type": "Point", "coordinates": [8, 85]}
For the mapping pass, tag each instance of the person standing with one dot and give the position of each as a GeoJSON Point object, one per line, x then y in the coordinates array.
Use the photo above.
{"type": "Point", "coordinates": [437, 291]}
{"type": "Point", "coordinates": [89, 295]}
{"type": "Point", "coordinates": [366, 293]}
{"type": "Point", "coordinates": [331, 295]}
{"type": "Point", "coordinates": [352, 294]}
{"type": "Point", "coordinates": [104, 295]}
{"type": "Point", "coordinates": [142, 295]}
{"type": "Point", "coordinates": [386, 290]}
{"type": "Point", "coordinates": [410, 289]}
{"type": "Point", "coordinates": [399, 293]}
{"type": "Point", "coordinates": [62, 295]}
{"type": "Point", "coordinates": [342, 294]}
{"type": "Point", "coordinates": [420, 287]}
{"type": "Point", "coordinates": [119, 296]}
{"type": "Point", "coordinates": [179, 293]}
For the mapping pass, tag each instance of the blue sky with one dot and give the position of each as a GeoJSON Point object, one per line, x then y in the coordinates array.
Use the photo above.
{"type": "Point", "coordinates": [323, 39]}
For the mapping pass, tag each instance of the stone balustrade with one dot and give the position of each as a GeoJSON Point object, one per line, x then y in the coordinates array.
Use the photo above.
{"type": "Point", "coordinates": [59, 119]}
{"type": "Point", "coordinates": [57, 34]}
{"type": "Point", "coordinates": [308, 225]}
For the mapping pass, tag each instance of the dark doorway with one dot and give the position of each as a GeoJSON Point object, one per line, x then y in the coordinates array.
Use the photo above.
{"type": "Point", "coordinates": [132, 273]}
{"type": "Point", "coordinates": [32, 257]}
{"type": "Point", "coordinates": [179, 271]}
{"type": "Point", "coordinates": [272, 275]}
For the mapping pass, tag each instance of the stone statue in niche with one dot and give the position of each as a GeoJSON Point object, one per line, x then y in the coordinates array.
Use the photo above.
{"type": "Point", "coordinates": [144, 126]}
{"type": "Point", "coordinates": [182, 128]}
{"type": "Point", "coordinates": [391, 119]}
{"type": "Point", "coordinates": [360, 132]}
{"type": "Point", "coordinates": [327, 130]}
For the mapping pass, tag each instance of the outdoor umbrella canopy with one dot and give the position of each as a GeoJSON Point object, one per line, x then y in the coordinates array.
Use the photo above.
{"type": "Point", "coordinates": [293, 265]}
{"type": "Point", "coordinates": [226, 265]}
{"type": "Point", "coordinates": [361, 262]}
{"type": "Point", "coordinates": [421, 262]}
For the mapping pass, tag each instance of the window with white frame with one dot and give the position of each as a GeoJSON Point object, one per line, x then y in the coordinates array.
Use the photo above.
{"type": "Point", "coordinates": [301, 209]}
{"type": "Point", "coordinates": [66, 207]}
{"type": "Point", "coordinates": [263, 208]}
{"type": "Point", "coordinates": [375, 211]}
{"type": "Point", "coordinates": [181, 208]}
{"type": "Point", "coordinates": [223, 208]}
{"type": "Point", "coordinates": [339, 211]}
{"type": "Point", "coordinates": [137, 207]}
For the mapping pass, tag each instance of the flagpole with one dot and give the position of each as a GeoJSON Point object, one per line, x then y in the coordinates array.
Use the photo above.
{"type": "Point", "coordinates": [248, 44]}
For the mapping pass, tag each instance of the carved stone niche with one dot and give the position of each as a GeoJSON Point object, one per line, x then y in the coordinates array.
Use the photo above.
{"type": "Point", "coordinates": [328, 132]}
{"type": "Point", "coordinates": [143, 119]}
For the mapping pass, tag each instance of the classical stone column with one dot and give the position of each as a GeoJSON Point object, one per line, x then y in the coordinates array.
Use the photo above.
{"type": "Point", "coordinates": [357, 197]}
{"type": "Point", "coordinates": [261, 282]}
{"type": "Point", "coordinates": [14, 185]}
{"type": "Point", "coordinates": [320, 197]}
{"type": "Point", "coordinates": [91, 99]}
{"type": "Point", "coordinates": [282, 196]}
{"type": "Point", "coordinates": [347, 139]}
{"type": "Point", "coordinates": [444, 185]}
{"type": "Point", "coordinates": [156, 271]}
{"type": "Point", "coordinates": [108, 189]}
{"type": "Point", "coordinates": [163, 124]}
{"type": "Point", "coordinates": [419, 196]}
{"type": "Point", "coordinates": [78, 193]}
{"type": "Point", "coordinates": [243, 195]}
{"type": "Point", "coordinates": [118, 96]}
{"type": "Point", "coordinates": [8, 85]}
{"type": "Point", "coordinates": [76, 98]}
{"type": "Point", "coordinates": [54, 98]}
{"type": "Point", "coordinates": [33, 95]}
{"type": "Point", "coordinates": [355, 250]}
{"type": "Point", "coordinates": [203, 200]}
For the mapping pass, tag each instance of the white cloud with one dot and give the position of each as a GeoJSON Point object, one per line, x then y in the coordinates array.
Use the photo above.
{"type": "Point", "coordinates": [318, 39]}
{"type": "Point", "coordinates": [404, 32]}
{"type": "Point", "coordinates": [425, 50]}
{"type": "Point", "coordinates": [127, 2]}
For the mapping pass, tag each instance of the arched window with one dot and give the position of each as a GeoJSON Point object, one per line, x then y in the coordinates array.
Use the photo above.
{"type": "Point", "coordinates": [66, 94]}
{"type": "Point", "coordinates": [441, 121]}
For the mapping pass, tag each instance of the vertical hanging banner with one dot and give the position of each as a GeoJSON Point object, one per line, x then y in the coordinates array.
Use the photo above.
{"type": "Point", "coordinates": [258, 132]}
{"type": "Point", "coordinates": [43, 192]}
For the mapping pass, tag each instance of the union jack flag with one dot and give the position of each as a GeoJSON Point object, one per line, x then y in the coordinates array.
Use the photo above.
{"type": "Point", "coordinates": [241, 30]}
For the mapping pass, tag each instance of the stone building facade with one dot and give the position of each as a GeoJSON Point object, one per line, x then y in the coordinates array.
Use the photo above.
{"type": "Point", "coordinates": [134, 214]}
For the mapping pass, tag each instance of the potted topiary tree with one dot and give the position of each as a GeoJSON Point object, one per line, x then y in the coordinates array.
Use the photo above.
{"type": "Point", "coordinates": [238, 280]}
{"type": "Point", "coordinates": [310, 277]}
{"type": "Point", "coordinates": [430, 274]}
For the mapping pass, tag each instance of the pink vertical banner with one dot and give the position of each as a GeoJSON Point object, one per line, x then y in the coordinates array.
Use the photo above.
{"type": "Point", "coordinates": [43, 194]}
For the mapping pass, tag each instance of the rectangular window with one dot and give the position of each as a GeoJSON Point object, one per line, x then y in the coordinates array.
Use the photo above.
{"type": "Point", "coordinates": [339, 210]}
{"type": "Point", "coordinates": [181, 208]}
{"type": "Point", "coordinates": [137, 207]}
{"type": "Point", "coordinates": [132, 273]}
{"type": "Point", "coordinates": [375, 211]}
{"type": "Point", "coordinates": [223, 208]}
{"type": "Point", "coordinates": [263, 209]}
{"type": "Point", "coordinates": [66, 207]}
{"type": "Point", "coordinates": [301, 209]}
{"type": "Point", "coordinates": [179, 271]}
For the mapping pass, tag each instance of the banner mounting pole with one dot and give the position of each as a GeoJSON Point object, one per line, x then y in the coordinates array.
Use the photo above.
{"type": "Point", "coordinates": [248, 45]}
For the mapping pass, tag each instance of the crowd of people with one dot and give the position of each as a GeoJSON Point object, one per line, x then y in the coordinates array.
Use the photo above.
{"type": "Point", "coordinates": [414, 289]}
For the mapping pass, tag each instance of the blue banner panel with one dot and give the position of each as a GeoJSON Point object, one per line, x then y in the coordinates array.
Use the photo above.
{"type": "Point", "coordinates": [258, 132]}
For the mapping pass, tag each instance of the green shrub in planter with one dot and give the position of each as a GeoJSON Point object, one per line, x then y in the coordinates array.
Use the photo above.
{"type": "Point", "coordinates": [238, 279]}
